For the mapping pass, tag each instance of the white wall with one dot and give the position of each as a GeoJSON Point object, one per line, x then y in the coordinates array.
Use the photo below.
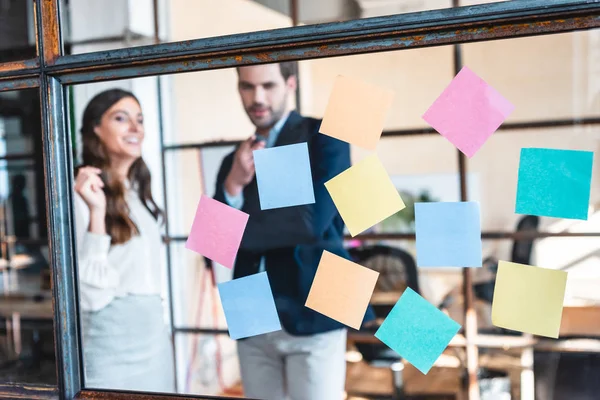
{"type": "Point", "coordinates": [319, 11]}
{"type": "Point", "coordinates": [316, 11]}
{"type": "Point", "coordinates": [376, 8]}
{"type": "Point", "coordinates": [92, 19]}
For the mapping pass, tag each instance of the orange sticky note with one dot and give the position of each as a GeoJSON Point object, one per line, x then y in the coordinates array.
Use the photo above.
{"type": "Point", "coordinates": [356, 112]}
{"type": "Point", "coordinates": [341, 289]}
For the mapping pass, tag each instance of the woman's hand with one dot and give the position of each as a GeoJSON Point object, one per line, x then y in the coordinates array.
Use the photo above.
{"type": "Point", "coordinates": [88, 185]}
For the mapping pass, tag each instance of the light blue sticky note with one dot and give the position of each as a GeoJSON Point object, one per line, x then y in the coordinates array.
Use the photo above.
{"type": "Point", "coordinates": [249, 306]}
{"type": "Point", "coordinates": [417, 331]}
{"type": "Point", "coordinates": [283, 176]}
{"type": "Point", "coordinates": [448, 234]}
{"type": "Point", "coordinates": [554, 183]}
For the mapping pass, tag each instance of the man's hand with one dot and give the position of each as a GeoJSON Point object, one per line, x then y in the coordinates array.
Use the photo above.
{"type": "Point", "coordinates": [242, 170]}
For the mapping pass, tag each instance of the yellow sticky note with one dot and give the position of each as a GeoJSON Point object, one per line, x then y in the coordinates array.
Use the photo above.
{"type": "Point", "coordinates": [529, 299]}
{"type": "Point", "coordinates": [364, 194]}
{"type": "Point", "coordinates": [341, 289]}
{"type": "Point", "coordinates": [356, 112]}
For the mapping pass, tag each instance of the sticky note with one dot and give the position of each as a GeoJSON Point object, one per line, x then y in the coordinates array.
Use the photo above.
{"type": "Point", "coordinates": [341, 289]}
{"type": "Point", "coordinates": [249, 306]}
{"type": "Point", "coordinates": [364, 194]}
{"type": "Point", "coordinates": [356, 112]}
{"type": "Point", "coordinates": [448, 234]}
{"type": "Point", "coordinates": [283, 176]}
{"type": "Point", "coordinates": [417, 330]}
{"type": "Point", "coordinates": [554, 183]}
{"type": "Point", "coordinates": [217, 231]}
{"type": "Point", "coordinates": [468, 112]}
{"type": "Point", "coordinates": [528, 299]}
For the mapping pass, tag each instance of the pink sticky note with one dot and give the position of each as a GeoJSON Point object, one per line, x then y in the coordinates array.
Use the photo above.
{"type": "Point", "coordinates": [217, 231]}
{"type": "Point", "coordinates": [468, 111]}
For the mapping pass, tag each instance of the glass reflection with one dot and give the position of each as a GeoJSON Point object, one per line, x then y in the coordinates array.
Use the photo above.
{"type": "Point", "coordinates": [26, 332]}
{"type": "Point", "coordinates": [17, 34]}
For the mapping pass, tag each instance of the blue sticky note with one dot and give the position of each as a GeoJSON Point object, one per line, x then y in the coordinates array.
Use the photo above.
{"type": "Point", "coordinates": [554, 183]}
{"type": "Point", "coordinates": [249, 306]}
{"type": "Point", "coordinates": [448, 234]}
{"type": "Point", "coordinates": [283, 176]}
{"type": "Point", "coordinates": [417, 331]}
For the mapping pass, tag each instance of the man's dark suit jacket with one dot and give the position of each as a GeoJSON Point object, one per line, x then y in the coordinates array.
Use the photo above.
{"type": "Point", "coordinates": [292, 239]}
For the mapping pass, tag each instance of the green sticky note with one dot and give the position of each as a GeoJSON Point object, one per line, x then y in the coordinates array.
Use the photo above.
{"type": "Point", "coordinates": [417, 330]}
{"type": "Point", "coordinates": [554, 183]}
{"type": "Point", "coordinates": [528, 299]}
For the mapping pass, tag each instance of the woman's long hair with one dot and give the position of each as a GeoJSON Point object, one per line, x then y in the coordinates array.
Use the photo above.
{"type": "Point", "coordinates": [119, 225]}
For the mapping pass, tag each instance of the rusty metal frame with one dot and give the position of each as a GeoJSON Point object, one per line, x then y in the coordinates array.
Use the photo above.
{"type": "Point", "coordinates": [396, 32]}
{"type": "Point", "coordinates": [51, 71]}
{"type": "Point", "coordinates": [327, 40]}
{"type": "Point", "coordinates": [20, 69]}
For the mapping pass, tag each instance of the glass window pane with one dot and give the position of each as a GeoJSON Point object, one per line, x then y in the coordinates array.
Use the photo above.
{"type": "Point", "coordinates": [17, 32]}
{"type": "Point", "coordinates": [26, 330]}
{"type": "Point", "coordinates": [202, 117]}
{"type": "Point", "coordinates": [123, 285]}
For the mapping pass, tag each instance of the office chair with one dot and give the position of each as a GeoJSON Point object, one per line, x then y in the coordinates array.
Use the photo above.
{"type": "Point", "coordinates": [520, 253]}
{"type": "Point", "coordinates": [522, 248]}
{"type": "Point", "coordinates": [397, 270]}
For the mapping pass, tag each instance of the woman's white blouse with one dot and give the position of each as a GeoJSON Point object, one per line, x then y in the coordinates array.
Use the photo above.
{"type": "Point", "coordinates": [106, 271]}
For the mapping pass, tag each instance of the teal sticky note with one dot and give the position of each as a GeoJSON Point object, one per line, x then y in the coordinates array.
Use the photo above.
{"type": "Point", "coordinates": [554, 183]}
{"type": "Point", "coordinates": [417, 330]}
{"type": "Point", "coordinates": [249, 306]}
{"type": "Point", "coordinates": [283, 176]}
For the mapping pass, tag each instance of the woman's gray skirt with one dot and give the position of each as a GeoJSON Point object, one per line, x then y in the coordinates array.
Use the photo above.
{"type": "Point", "coordinates": [127, 346]}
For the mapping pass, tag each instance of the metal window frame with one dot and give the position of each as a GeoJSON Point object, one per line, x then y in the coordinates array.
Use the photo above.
{"type": "Point", "coordinates": [51, 71]}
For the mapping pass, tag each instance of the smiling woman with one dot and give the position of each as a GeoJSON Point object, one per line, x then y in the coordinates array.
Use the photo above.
{"type": "Point", "coordinates": [126, 343]}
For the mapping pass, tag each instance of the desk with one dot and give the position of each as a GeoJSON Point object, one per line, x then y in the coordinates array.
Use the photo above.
{"type": "Point", "coordinates": [439, 383]}
{"type": "Point", "coordinates": [577, 319]}
{"type": "Point", "coordinates": [580, 320]}
{"type": "Point", "coordinates": [26, 307]}
{"type": "Point", "coordinates": [23, 298]}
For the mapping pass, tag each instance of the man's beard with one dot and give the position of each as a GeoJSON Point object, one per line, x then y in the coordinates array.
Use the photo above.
{"type": "Point", "coordinates": [275, 115]}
